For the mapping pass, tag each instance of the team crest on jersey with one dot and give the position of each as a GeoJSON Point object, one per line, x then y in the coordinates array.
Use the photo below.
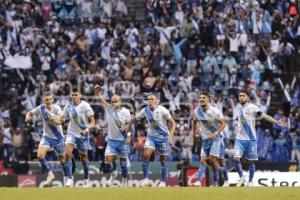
{"type": "Point", "coordinates": [154, 124]}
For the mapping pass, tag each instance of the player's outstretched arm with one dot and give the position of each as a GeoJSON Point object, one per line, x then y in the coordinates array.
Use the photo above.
{"type": "Point", "coordinates": [28, 117]}
{"type": "Point", "coordinates": [280, 122]}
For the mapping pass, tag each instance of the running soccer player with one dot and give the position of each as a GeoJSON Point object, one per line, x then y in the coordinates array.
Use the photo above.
{"type": "Point", "coordinates": [158, 136]}
{"type": "Point", "coordinates": [212, 123]}
{"type": "Point", "coordinates": [81, 121]}
{"type": "Point", "coordinates": [246, 143]}
{"type": "Point", "coordinates": [52, 134]}
{"type": "Point", "coordinates": [117, 144]}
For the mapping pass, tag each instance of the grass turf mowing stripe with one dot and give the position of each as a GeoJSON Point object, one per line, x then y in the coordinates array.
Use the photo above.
{"type": "Point", "coordinates": [274, 193]}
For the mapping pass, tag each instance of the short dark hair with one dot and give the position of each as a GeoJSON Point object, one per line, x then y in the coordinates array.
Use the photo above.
{"type": "Point", "coordinates": [205, 93]}
{"type": "Point", "coordinates": [75, 90]}
{"type": "Point", "coordinates": [245, 91]}
{"type": "Point", "coordinates": [47, 93]}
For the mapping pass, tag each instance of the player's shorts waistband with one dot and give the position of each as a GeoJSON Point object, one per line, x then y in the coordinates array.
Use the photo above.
{"type": "Point", "coordinates": [114, 140]}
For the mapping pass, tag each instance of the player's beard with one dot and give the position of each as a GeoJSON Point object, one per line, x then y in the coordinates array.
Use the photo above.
{"type": "Point", "coordinates": [243, 102]}
{"type": "Point", "coordinates": [203, 105]}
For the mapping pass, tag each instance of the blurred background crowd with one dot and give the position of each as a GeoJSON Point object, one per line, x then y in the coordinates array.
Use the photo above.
{"type": "Point", "coordinates": [176, 49]}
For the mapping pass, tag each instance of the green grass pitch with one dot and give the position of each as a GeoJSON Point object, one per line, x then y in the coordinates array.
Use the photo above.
{"type": "Point", "coordinates": [270, 193]}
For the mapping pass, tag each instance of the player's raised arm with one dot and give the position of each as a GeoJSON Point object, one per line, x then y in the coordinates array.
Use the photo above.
{"type": "Point", "coordinates": [102, 101]}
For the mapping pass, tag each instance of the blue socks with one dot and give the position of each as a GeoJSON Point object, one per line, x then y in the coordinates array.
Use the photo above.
{"type": "Point", "coordinates": [251, 171]}
{"type": "Point", "coordinates": [45, 165]}
{"type": "Point", "coordinates": [64, 168]}
{"type": "Point", "coordinates": [238, 167]}
{"type": "Point", "coordinates": [108, 168]}
{"type": "Point", "coordinates": [223, 170]}
{"type": "Point", "coordinates": [216, 176]}
{"type": "Point", "coordinates": [164, 171]}
{"type": "Point", "coordinates": [86, 169]}
{"type": "Point", "coordinates": [124, 169]}
{"type": "Point", "coordinates": [201, 172]}
{"type": "Point", "coordinates": [146, 168]}
{"type": "Point", "coordinates": [68, 166]}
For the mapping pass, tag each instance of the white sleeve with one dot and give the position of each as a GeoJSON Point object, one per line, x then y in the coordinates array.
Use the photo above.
{"type": "Point", "coordinates": [127, 116]}
{"type": "Point", "coordinates": [219, 115]}
{"type": "Point", "coordinates": [64, 112]}
{"type": "Point", "coordinates": [257, 110]}
{"type": "Point", "coordinates": [166, 113]}
{"type": "Point", "coordinates": [36, 110]}
{"type": "Point", "coordinates": [140, 114]}
{"type": "Point", "coordinates": [88, 110]}
{"type": "Point", "coordinates": [57, 110]}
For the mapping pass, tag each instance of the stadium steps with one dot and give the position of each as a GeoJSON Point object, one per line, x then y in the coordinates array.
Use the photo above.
{"type": "Point", "coordinates": [136, 10]}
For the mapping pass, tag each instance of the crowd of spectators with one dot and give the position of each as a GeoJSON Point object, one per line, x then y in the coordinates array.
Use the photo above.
{"type": "Point", "coordinates": [182, 47]}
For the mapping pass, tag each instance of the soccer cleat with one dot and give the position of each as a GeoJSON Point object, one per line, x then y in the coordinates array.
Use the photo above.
{"type": "Point", "coordinates": [124, 183]}
{"type": "Point", "coordinates": [196, 184]}
{"type": "Point", "coordinates": [241, 182]}
{"type": "Point", "coordinates": [162, 184]}
{"type": "Point", "coordinates": [250, 184]}
{"type": "Point", "coordinates": [145, 183]}
{"type": "Point", "coordinates": [112, 178]}
{"type": "Point", "coordinates": [226, 184]}
{"type": "Point", "coordinates": [86, 183]}
{"type": "Point", "coordinates": [69, 182]}
{"type": "Point", "coordinates": [50, 178]}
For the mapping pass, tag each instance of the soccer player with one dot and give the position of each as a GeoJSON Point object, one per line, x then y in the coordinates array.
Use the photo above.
{"type": "Point", "coordinates": [245, 143]}
{"type": "Point", "coordinates": [81, 121]}
{"type": "Point", "coordinates": [117, 144]}
{"type": "Point", "coordinates": [158, 136]}
{"type": "Point", "coordinates": [52, 133]}
{"type": "Point", "coordinates": [212, 124]}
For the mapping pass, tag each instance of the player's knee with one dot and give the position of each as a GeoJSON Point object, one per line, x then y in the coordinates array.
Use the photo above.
{"type": "Point", "coordinates": [163, 159]}
{"type": "Point", "coordinates": [146, 157]}
{"type": "Point", "coordinates": [40, 156]}
{"type": "Point", "coordinates": [68, 156]}
{"type": "Point", "coordinates": [84, 158]}
{"type": "Point", "coordinates": [61, 158]}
